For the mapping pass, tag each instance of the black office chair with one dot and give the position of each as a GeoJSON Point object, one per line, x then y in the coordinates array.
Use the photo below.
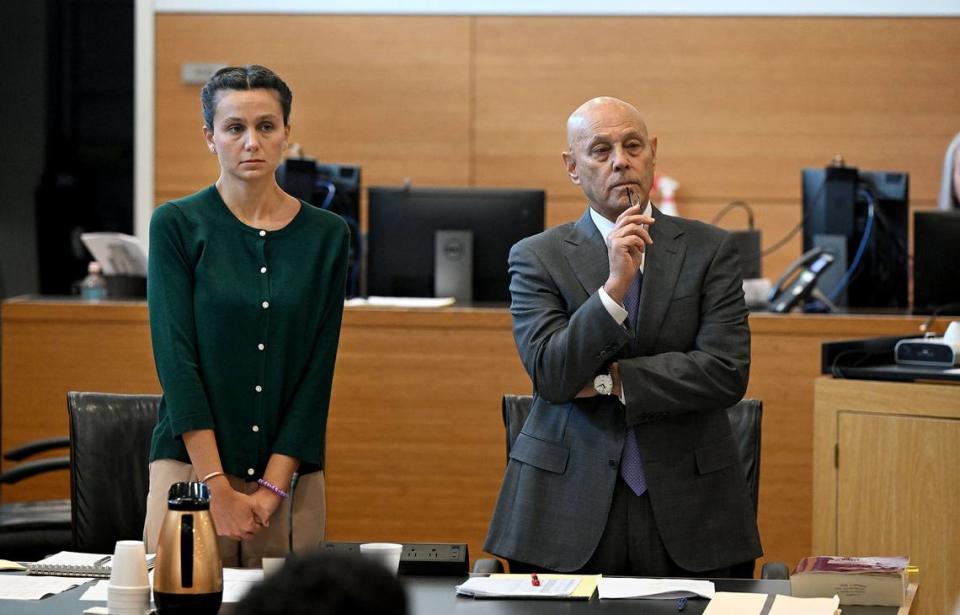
{"type": "Point", "coordinates": [33, 529]}
{"type": "Point", "coordinates": [745, 421]}
{"type": "Point", "coordinates": [109, 478]}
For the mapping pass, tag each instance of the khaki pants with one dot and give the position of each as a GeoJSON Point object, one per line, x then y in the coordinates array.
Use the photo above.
{"type": "Point", "coordinates": [309, 515]}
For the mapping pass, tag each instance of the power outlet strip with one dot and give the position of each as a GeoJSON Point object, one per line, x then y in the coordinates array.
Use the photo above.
{"type": "Point", "coordinates": [419, 558]}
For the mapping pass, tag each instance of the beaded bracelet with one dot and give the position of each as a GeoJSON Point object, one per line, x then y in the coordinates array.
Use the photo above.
{"type": "Point", "coordinates": [272, 487]}
{"type": "Point", "coordinates": [211, 475]}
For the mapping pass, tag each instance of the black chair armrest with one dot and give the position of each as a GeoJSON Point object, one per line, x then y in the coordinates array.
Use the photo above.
{"type": "Point", "coordinates": [487, 565]}
{"type": "Point", "coordinates": [775, 570]}
{"type": "Point", "coordinates": [30, 449]}
{"type": "Point", "coordinates": [32, 468]}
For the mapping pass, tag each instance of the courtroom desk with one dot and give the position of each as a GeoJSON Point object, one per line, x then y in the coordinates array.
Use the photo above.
{"type": "Point", "coordinates": [435, 596]}
{"type": "Point", "coordinates": [415, 440]}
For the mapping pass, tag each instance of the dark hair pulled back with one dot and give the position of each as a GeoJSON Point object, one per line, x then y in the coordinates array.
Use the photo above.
{"type": "Point", "coordinates": [249, 77]}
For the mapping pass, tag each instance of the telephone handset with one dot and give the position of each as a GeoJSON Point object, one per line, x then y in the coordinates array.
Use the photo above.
{"type": "Point", "coordinates": [798, 282]}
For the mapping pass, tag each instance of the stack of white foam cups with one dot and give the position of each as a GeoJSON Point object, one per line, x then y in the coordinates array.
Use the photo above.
{"type": "Point", "coordinates": [129, 589]}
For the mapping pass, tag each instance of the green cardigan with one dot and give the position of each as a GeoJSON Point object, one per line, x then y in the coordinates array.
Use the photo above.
{"type": "Point", "coordinates": [245, 325]}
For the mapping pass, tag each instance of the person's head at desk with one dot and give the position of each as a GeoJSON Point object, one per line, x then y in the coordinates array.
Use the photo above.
{"type": "Point", "coordinates": [949, 197]}
{"type": "Point", "coordinates": [329, 583]}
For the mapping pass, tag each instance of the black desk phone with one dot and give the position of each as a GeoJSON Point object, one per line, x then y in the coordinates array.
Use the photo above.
{"type": "Point", "coordinates": [798, 282]}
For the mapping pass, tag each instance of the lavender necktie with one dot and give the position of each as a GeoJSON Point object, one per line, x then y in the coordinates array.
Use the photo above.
{"type": "Point", "coordinates": [631, 465]}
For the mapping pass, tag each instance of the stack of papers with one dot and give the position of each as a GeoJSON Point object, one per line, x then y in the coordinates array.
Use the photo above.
{"type": "Point", "coordinates": [18, 587]}
{"type": "Point", "coordinates": [552, 586]}
{"type": "Point", "coordinates": [655, 589]}
{"type": "Point", "coordinates": [74, 564]}
{"type": "Point", "coordinates": [117, 253]}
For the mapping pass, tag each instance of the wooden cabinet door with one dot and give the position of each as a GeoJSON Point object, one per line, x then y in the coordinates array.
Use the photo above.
{"type": "Point", "coordinates": [898, 493]}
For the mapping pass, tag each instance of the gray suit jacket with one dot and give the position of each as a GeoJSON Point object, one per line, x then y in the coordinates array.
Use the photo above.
{"type": "Point", "coordinates": [688, 360]}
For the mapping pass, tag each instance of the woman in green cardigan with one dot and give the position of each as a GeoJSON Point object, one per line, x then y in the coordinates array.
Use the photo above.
{"type": "Point", "coordinates": [245, 291]}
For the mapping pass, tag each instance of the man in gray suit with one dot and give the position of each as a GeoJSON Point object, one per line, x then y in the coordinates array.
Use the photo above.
{"type": "Point", "coordinates": [633, 328]}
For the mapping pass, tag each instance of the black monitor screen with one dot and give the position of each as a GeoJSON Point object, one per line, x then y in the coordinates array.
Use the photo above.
{"type": "Point", "coordinates": [936, 260]}
{"type": "Point", "coordinates": [402, 227]}
{"type": "Point", "coordinates": [859, 217]}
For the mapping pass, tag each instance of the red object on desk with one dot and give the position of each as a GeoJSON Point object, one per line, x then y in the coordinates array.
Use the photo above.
{"type": "Point", "coordinates": [534, 580]}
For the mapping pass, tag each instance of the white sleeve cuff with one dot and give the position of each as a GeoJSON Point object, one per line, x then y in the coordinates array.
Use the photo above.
{"type": "Point", "coordinates": [616, 311]}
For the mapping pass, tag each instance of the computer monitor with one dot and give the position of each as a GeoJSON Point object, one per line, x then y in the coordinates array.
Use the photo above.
{"type": "Point", "coordinates": [936, 260]}
{"type": "Point", "coordinates": [859, 217]}
{"type": "Point", "coordinates": [429, 242]}
{"type": "Point", "coordinates": [334, 187]}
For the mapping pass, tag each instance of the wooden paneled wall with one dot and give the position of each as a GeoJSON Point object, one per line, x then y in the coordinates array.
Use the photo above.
{"type": "Point", "coordinates": [740, 105]}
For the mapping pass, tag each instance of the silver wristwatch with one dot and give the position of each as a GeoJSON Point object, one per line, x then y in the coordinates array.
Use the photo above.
{"type": "Point", "coordinates": [603, 384]}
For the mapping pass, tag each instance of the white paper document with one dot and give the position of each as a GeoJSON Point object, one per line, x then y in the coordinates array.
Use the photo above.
{"type": "Point", "coordinates": [401, 302]}
{"type": "Point", "coordinates": [788, 605]}
{"type": "Point", "coordinates": [18, 587]}
{"type": "Point", "coordinates": [492, 587]}
{"type": "Point", "coordinates": [736, 603]}
{"type": "Point", "coordinates": [117, 253]}
{"type": "Point", "coordinates": [97, 591]}
{"type": "Point", "coordinates": [236, 583]}
{"type": "Point", "coordinates": [656, 589]}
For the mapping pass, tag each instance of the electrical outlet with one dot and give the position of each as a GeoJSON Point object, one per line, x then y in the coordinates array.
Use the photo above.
{"type": "Point", "coordinates": [431, 552]}
{"type": "Point", "coordinates": [198, 73]}
{"type": "Point", "coordinates": [435, 559]}
{"type": "Point", "coordinates": [342, 547]}
{"type": "Point", "coordinates": [439, 559]}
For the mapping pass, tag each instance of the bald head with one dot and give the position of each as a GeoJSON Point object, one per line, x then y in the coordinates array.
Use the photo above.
{"type": "Point", "coordinates": [587, 116]}
{"type": "Point", "coordinates": [610, 156]}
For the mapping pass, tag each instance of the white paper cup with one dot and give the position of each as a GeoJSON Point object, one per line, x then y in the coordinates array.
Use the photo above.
{"type": "Point", "coordinates": [271, 565]}
{"type": "Point", "coordinates": [128, 593]}
{"type": "Point", "coordinates": [128, 600]}
{"type": "Point", "coordinates": [387, 554]}
{"type": "Point", "coordinates": [128, 568]}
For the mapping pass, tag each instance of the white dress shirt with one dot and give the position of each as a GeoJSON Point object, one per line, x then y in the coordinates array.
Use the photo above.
{"type": "Point", "coordinates": [617, 311]}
